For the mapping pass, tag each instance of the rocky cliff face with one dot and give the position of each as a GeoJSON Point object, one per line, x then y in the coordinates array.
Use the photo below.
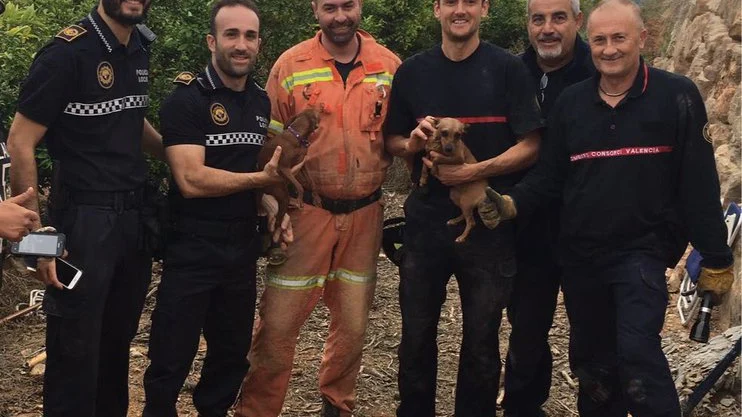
{"type": "Point", "coordinates": [704, 45]}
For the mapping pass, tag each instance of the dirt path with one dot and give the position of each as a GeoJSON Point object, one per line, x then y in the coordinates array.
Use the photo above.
{"type": "Point", "coordinates": [20, 393]}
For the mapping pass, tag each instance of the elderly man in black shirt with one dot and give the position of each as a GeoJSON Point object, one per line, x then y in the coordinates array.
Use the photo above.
{"type": "Point", "coordinates": [556, 59]}
{"type": "Point", "coordinates": [628, 153]}
{"type": "Point", "coordinates": [86, 96]}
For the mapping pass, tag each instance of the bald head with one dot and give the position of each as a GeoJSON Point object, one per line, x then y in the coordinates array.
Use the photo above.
{"type": "Point", "coordinates": [616, 34]}
{"type": "Point", "coordinates": [609, 6]}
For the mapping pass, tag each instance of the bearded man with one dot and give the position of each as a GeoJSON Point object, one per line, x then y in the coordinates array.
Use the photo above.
{"type": "Point", "coordinates": [213, 128]}
{"type": "Point", "coordinates": [86, 95]}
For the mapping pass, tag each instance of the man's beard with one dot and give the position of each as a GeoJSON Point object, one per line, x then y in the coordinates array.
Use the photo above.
{"type": "Point", "coordinates": [551, 53]}
{"type": "Point", "coordinates": [341, 39]}
{"type": "Point", "coordinates": [113, 10]}
{"type": "Point", "coordinates": [222, 61]}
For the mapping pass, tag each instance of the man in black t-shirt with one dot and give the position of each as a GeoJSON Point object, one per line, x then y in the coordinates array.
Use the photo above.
{"type": "Point", "coordinates": [629, 155]}
{"type": "Point", "coordinates": [488, 88]}
{"type": "Point", "coordinates": [556, 58]}
{"type": "Point", "coordinates": [213, 125]}
{"type": "Point", "coordinates": [86, 95]}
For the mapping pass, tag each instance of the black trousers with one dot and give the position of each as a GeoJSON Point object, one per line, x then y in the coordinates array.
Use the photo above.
{"type": "Point", "coordinates": [90, 328]}
{"type": "Point", "coordinates": [616, 313]}
{"type": "Point", "coordinates": [528, 366]}
{"type": "Point", "coordinates": [484, 266]}
{"type": "Point", "coordinates": [207, 283]}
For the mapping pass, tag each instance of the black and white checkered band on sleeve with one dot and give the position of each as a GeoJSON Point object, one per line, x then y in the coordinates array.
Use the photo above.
{"type": "Point", "coordinates": [236, 138]}
{"type": "Point", "coordinates": [107, 107]}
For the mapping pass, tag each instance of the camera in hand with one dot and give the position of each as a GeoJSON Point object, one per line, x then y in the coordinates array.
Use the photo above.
{"type": "Point", "coordinates": [700, 330]}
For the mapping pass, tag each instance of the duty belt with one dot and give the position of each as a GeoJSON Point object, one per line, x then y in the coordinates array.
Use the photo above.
{"type": "Point", "coordinates": [217, 229]}
{"type": "Point", "coordinates": [118, 200]}
{"type": "Point", "coordinates": [343, 206]}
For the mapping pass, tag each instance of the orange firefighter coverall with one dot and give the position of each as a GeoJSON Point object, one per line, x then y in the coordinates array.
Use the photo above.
{"type": "Point", "coordinates": [333, 256]}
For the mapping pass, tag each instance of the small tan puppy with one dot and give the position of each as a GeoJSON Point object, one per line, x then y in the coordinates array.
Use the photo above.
{"type": "Point", "coordinates": [447, 141]}
{"type": "Point", "coordinates": [294, 142]}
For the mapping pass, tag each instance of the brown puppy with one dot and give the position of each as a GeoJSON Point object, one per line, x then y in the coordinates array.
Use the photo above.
{"type": "Point", "coordinates": [447, 141]}
{"type": "Point", "coordinates": [294, 141]}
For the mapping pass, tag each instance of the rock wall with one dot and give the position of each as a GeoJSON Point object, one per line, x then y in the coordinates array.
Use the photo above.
{"type": "Point", "coordinates": [704, 45]}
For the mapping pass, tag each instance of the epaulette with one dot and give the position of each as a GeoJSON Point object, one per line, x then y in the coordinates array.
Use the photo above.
{"type": "Point", "coordinates": [185, 78]}
{"type": "Point", "coordinates": [72, 32]}
{"type": "Point", "coordinates": [146, 33]}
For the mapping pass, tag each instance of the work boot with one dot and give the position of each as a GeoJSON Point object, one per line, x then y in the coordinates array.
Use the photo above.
{"type": "Point", "coordinates": [329, 410]}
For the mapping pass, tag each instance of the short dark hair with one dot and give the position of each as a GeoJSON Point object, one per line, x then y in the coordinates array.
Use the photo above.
{"type": "Point", "coordinates": [218, 4]}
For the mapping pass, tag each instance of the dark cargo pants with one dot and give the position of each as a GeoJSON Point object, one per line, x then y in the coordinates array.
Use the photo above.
{"type": "Point", "coordinates": [90, 328]}
{"type": "Point", "coordinates": [528, 365]}
{"type": "Point", "coordinates": [208, 283]}
{"type": "Point", "coordinates": [484, 266]}
{"type": "Point", "coordinates": [616, 313]}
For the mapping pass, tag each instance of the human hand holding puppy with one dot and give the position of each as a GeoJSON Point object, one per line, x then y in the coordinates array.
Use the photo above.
{"type": "Point", "coordinates": [419, 136]}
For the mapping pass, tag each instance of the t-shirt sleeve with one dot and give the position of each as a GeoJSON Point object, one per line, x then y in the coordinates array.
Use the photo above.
{"type": "Point", "coordinates": [524, 113]}
{"type": "Point", "coordinates": [50, 84]}
{"type": "Point", "coordinates": [399, 119]}
{"type": "Point", "coordinates": [180, 119]}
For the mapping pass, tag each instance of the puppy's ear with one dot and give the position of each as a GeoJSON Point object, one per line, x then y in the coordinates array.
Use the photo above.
{"type": "Point", "coordinates": [436, 122]}
{"type": "Point", "coordinates": [466, 128]}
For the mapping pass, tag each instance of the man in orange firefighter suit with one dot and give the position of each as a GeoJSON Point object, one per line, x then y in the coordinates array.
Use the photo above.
{"type": "Point", "coordinates": [344, 74]}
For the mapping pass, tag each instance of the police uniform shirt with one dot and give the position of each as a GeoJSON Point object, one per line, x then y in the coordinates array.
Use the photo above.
{"type": "Point", "coordinates": [91, 93]}
{"type": "Point", "coordinates": [637, 177]}
{"type": "Point", "coordinates": [231, 125]}
{"type": "Point", "coordinates": [491, 90]}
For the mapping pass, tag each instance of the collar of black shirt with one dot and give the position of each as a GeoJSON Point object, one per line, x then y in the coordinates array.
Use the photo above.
{"type": "Point", "coordinates": [109, 40]}
{"type": "Point", "coordinates": [212, 81]}
{"type": "Point", "coordinates": [637, 89]}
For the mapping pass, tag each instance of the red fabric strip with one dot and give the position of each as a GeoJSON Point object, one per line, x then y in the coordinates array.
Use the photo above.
{"type": "Point", "coordinates": [615, 153]}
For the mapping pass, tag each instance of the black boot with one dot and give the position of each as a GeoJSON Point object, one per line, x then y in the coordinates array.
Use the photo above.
{"type": "Point", "coordinates": [329, 410]}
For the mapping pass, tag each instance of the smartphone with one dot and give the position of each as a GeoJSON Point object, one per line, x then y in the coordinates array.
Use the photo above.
{"type": "Point", "coordinates": [40, 244]}
{"type": "Point", "coordinates": [67, 274]}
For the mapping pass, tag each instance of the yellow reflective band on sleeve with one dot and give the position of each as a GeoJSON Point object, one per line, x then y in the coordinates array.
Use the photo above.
{"type": "Point", "coordinates": [384, 78]}
{"type": "Point", "coordinates": [275, 126]}
{"type": "Point", "coordinates": [306, 77]}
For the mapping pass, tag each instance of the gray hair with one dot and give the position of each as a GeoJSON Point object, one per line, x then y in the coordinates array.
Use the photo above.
{"type": "Point", "coordinates": [574, 3]}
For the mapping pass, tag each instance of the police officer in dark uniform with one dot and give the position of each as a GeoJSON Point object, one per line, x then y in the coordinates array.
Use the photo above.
{"type": "Point", "coordinates": [627, 152]}
{"type": "Point", "coordinates": [86, 95]}
{"type": "Point", "coordinates": [213, 125]}
{"type": "Point", "coordinates": [556, 59]}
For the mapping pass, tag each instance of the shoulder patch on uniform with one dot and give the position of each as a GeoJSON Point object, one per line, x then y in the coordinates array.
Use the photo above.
{"type": "Point", "coordinates": [707, 133]}
{"type": "Point", "coordinates": [184, 77]}
{"type": "Point", "coordinates": [72, 32]}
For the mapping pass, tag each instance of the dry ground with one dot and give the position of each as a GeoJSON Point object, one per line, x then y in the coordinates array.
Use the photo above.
{"type": "Point", "coordinates": [20, 392]}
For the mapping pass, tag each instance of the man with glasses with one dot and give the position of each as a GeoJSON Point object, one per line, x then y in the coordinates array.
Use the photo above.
{"type": "Point", "coordinates": [556, 58]}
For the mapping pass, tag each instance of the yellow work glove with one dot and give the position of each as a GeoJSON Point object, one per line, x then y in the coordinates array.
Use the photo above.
{"type": "Point", "coordinates": [716, 281]}
{"type": "Point", "coordinates": [496, 208]}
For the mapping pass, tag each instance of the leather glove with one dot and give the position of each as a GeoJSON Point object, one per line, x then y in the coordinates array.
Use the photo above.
{"type": "Point", "coordinates": [496, 208]}
{"type": "Point", "coordinates": [716, 281]}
